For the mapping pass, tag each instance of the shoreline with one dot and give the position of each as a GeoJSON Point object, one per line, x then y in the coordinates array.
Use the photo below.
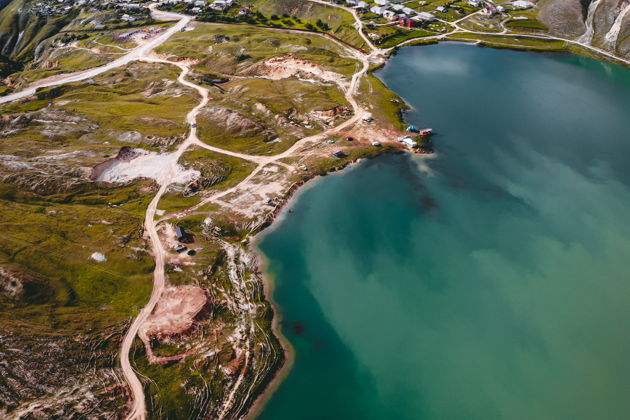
{"type": "Point", "coordinates": [278, 215]}
{"type": "Point", "coordinates": [269, 284]}
{"type": "Point", "coordinates": [268, 281]}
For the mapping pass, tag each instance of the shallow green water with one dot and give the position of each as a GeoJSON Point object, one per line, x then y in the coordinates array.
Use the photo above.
{"type": "Point", "coordinates": [488, 282]}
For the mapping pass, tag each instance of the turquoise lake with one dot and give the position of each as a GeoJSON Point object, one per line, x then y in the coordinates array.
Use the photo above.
{"type": "Point", "coordinates": [489, 281]}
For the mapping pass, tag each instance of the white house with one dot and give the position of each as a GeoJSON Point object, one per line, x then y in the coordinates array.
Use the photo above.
{"type": "Point", "coordinates": [424, 17]}
{"type": "Point", "coordinates": [378, 10]}
{"type": "Point", "coordinates": [522, 4]}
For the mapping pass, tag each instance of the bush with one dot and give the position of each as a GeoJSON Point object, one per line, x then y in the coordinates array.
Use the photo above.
{"type": "Point", "coordinates": [322, 25]}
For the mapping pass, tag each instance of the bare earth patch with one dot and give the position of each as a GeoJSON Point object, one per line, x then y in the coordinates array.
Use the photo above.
{"type": "Point", "coordinates": [285, 66]}
{"type": "Point", "coordinates": [174, 316]}
{"type": "Point", "coordinates": [147, 164]}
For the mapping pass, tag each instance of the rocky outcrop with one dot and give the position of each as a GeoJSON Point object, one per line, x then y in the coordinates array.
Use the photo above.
{"type": "Point", "coordinates": [125, 154]}
{"type": "Point", "coordinates": [211, 173]}
{"type": "Point", "coordinates": [235, 123]}
{"type": "Point", "coordinates": [55, 179]}
{"type": "Point", "coordinates": [46, 375]}
{"type": "Point", "coordinates": [286, 66]}
{"type": "Point", "coordinates": [20, 285]}
{"type": "Point", "coordinates": [563, 17]}
{"type": "Point", "coordinates": [55, 123]}
{"type": "Point", "coordinates": [600, 23]}
{"type": "Point", "coordinates": [331, 114]}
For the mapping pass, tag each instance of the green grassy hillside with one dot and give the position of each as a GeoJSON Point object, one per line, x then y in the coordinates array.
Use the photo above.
{"type": "Point", "coordinates": [21, 33]}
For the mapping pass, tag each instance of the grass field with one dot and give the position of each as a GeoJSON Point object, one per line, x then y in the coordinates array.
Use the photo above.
{"type": "Point", "coordinates": [339, 22]}
{"type": "Point", "coordinates": [278, 108]}
{"type": "Point", "coordinates": [516, 42]}
{"type": "Point", "coordinates": [227, 49]}
{"type": "Point", "coordinates": [54, 237]}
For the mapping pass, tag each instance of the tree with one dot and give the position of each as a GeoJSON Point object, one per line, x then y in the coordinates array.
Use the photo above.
{"type": "Point", "coordinates": [322, 25]}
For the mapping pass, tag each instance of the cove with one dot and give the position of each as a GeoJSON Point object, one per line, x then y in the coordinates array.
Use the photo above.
{"type": "Point", "coordinates": [489, 281]}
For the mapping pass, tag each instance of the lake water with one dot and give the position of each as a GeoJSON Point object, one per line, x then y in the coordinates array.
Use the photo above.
{"type": "Point", "coordinates": [490, 281]}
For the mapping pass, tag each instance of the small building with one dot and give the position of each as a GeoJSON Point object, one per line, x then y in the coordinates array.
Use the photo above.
{"type": "Point", "coordinates": [489, 10]}
{"type": "Point", "coordinates": [361, 6]}
{"type": "Point", "coordinates": [424, 17]}
{"type": "Point", "coordinates": [180, 233]}
{"type": "Point", "coordinates": [390, 15]}
{"type": "Point", "coordinates": [408, 141]}
{"type": "Point", "coordinates": [338, 154]}
{"type": "Point", "coordinates": [522, 4]}
{"type": "Point", "coordinates": [407, 23]}
{"type": "Point", "coordinates": [378, 10]}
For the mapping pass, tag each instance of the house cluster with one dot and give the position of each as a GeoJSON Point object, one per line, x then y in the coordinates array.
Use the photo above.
{"type": "Point", "coordinates": [58, 7]}
{"type": "Point", "coordinates": [392, 10]}
{"type": "Point", "coordinates": [127, 10]}
{"type": "Point", "coordinates": [198, 6]}
{"type": "Point", "coordinates": [397, 10]}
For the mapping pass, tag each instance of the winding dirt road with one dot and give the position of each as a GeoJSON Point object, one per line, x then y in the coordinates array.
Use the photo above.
{"type": "Point", "coordinates": [138, 408]}
{"type": "Point", "coordinates": [133, 55]}
{"type": "Point", "coordinates": [142, 53]}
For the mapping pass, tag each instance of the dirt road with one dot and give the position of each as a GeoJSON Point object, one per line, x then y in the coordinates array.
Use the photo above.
{"type": "Point", "coordinates": [138, 403]}
{"type": "Point", "coordinates": [135, 54]}
{"type": "Point", "coordinates": [138, 409]}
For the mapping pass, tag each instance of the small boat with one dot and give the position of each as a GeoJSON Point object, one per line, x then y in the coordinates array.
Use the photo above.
{"type": "Point", "coordinates": [426, 131]}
